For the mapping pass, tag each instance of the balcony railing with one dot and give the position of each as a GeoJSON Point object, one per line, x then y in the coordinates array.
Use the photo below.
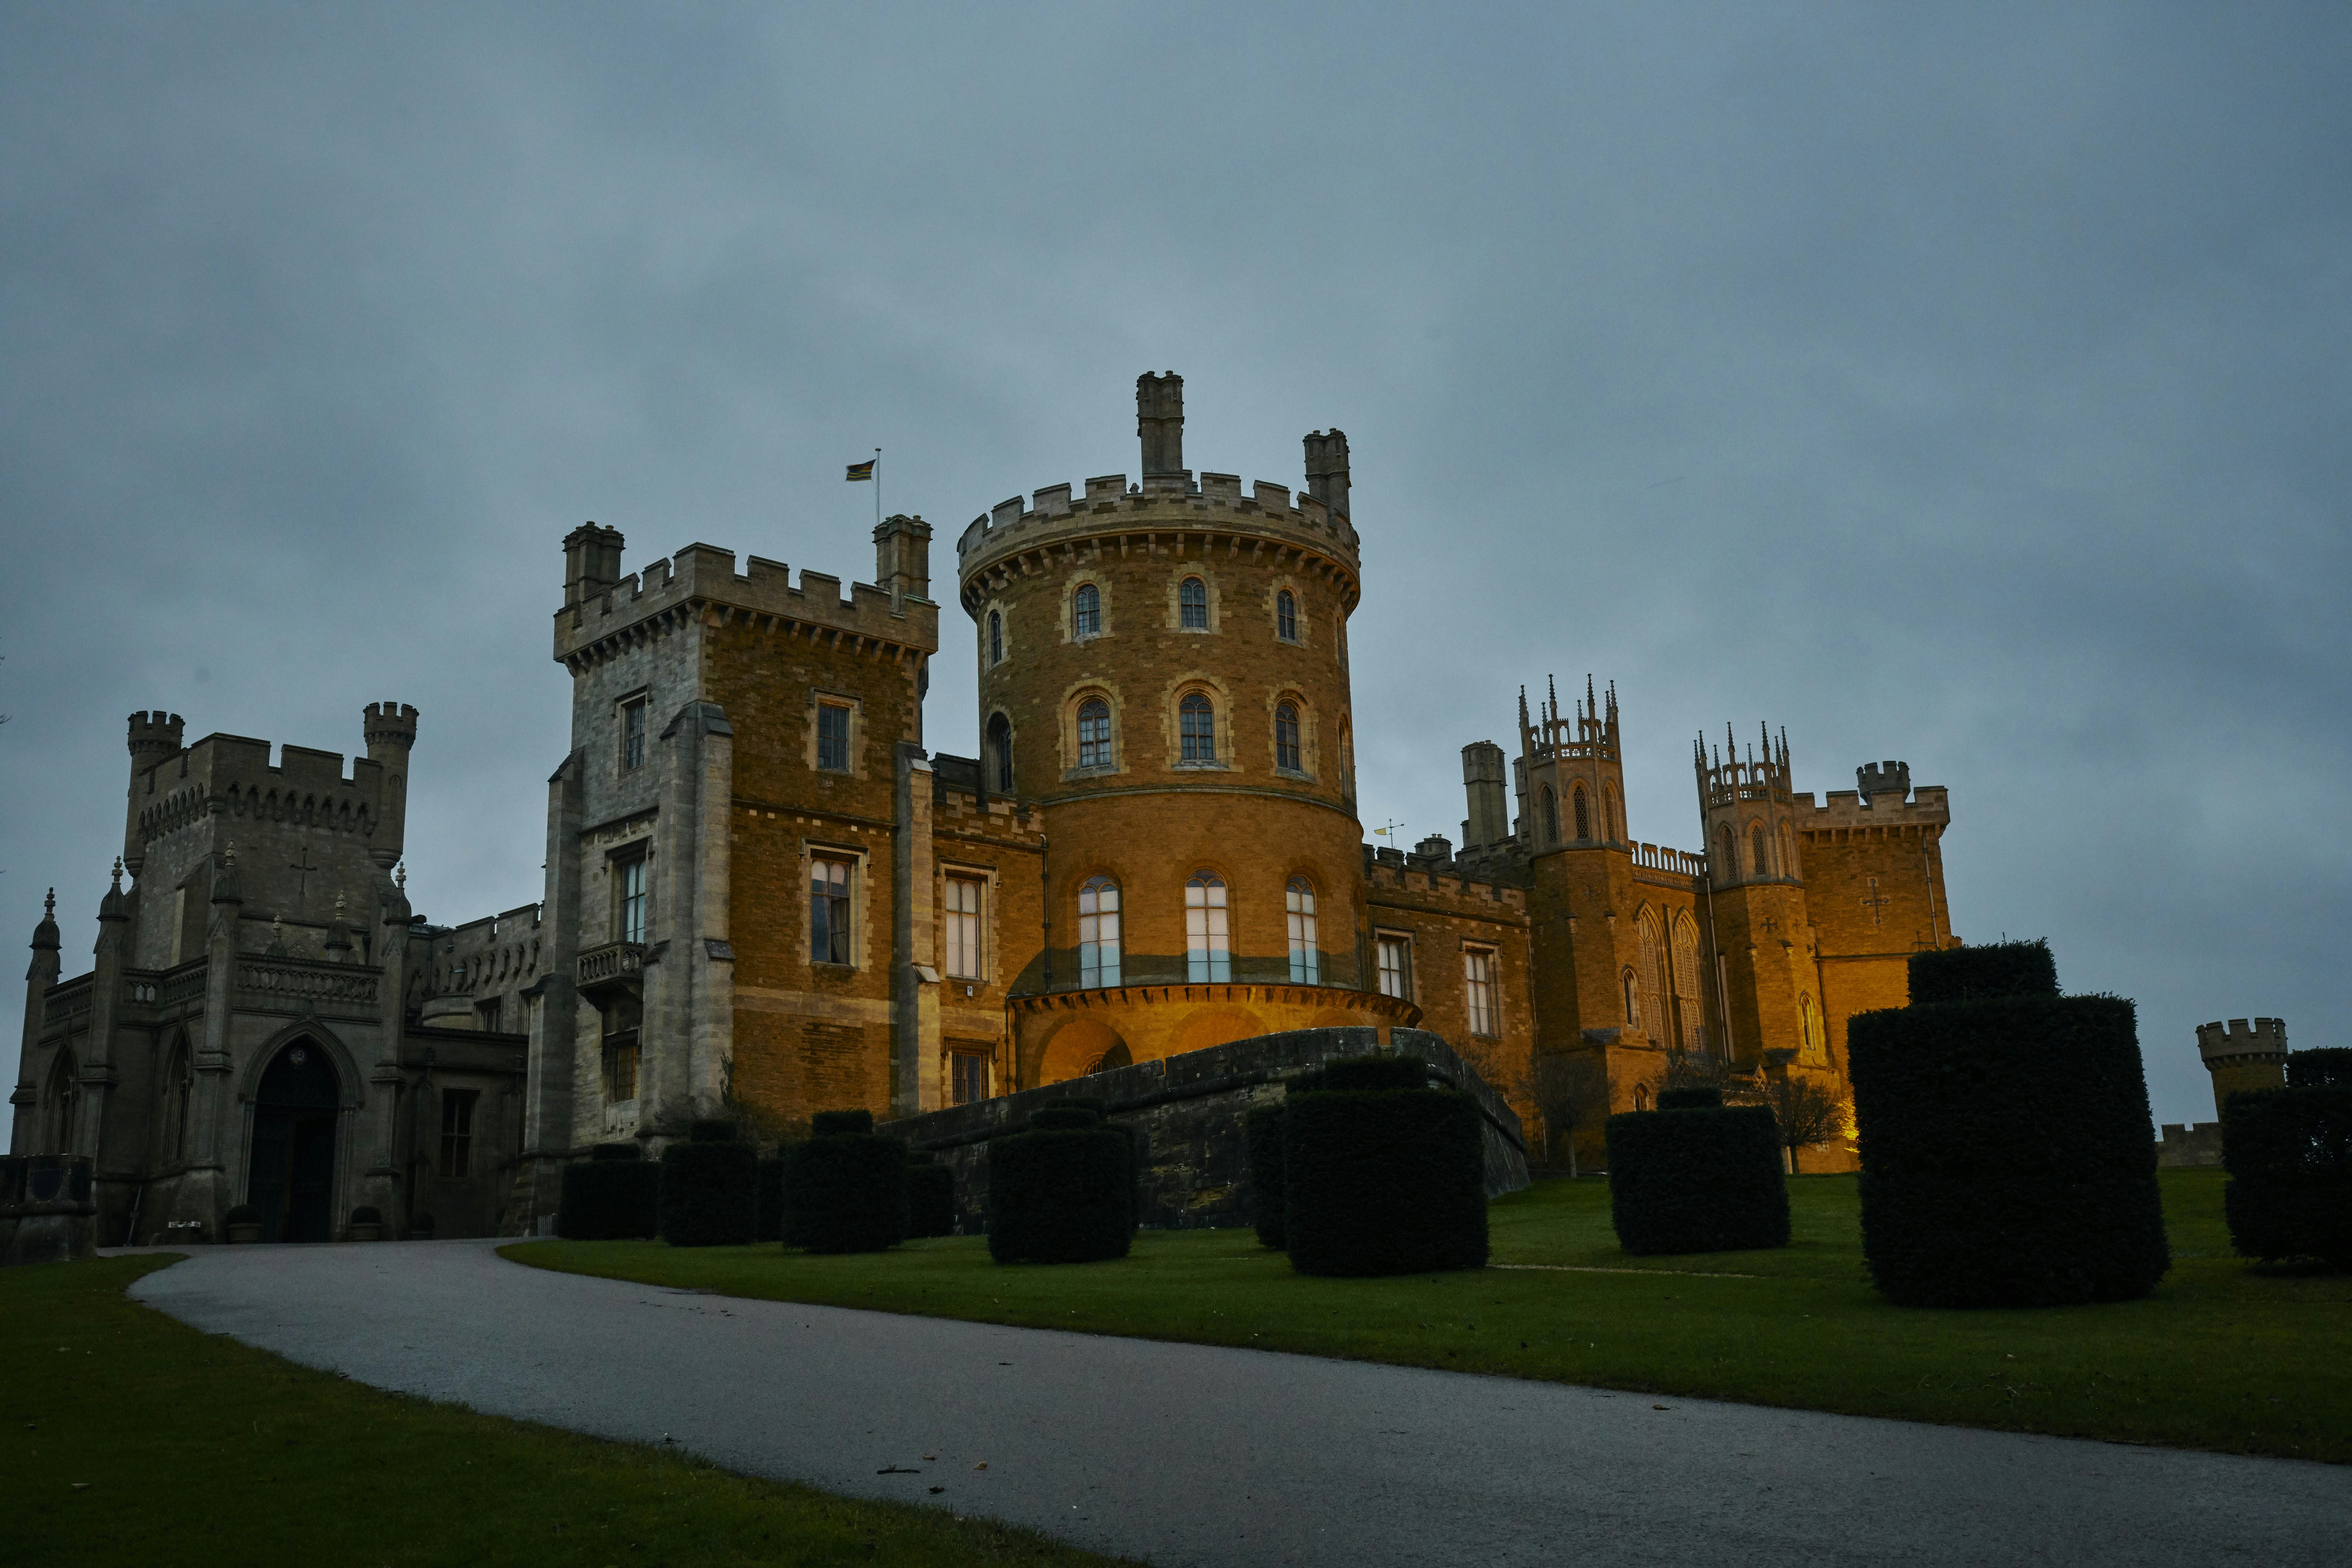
{"type": "Point", "coordinates": [614, 964]}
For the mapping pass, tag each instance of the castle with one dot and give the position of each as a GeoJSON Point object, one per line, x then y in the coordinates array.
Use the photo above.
{"type": "Point", "coordinates": [764, 897]}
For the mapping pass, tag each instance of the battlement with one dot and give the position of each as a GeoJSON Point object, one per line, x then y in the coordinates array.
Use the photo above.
{"type": "Point", "coordinates": [702, 577]}
{"type": "Point", "coordinates": [2265, 1037]}
{"type": "Point", "coordinates": [1056, 516]}
{"type": "Point", "coordinates": [1394, 870]}
{"type": "Point", "coordinates": [388, 724]}
{"type": "Point", "coordinates": [1592, 733]}
{"type": "Point", "coordinates": [1727, 782]}
{"type": "Point", "coordinates": [153, 736]}
{"type": "Point", "coordinates": [1673, 862]}
{"type": "Point", "coordinates": [1929, 806]}
{"type": "Point", "coordinates": [1873, 779]}
{"type": "Point", "coordinates": [231, 776]}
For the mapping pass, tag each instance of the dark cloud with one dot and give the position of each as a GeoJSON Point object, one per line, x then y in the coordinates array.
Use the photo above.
{"type": "Point", "coordinates": [1962, 385]}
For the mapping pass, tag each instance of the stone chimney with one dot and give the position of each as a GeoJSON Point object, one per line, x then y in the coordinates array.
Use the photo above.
{"type": "Point", "coordinates": [1159, 420]}
{"type": "Point", "coordinates": [1326, 469]}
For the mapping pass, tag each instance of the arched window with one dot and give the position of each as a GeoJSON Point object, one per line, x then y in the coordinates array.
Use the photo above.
{"type": "Point", "coordinates": [1652, 976]}
{"type": "Point", "coordinates": [995, 636]}
{"type": "Point", "coordinates": [1640, 1097]}
{"type": "Point", "coordinates": [1758, 865]}
{"type": "Point", "coordinates": [178, 1084]}
{"type": "Point", "coordinates": [1347, 765]}
{"type": "Point", "coordinates": [1192, 605]}
{"type": "Point", "coordinates": [1686, 987]}
{"type": "Point", "coordinates": [1000, 750]}
{"type": "Point", "coordinates": [1197, 722]}
{"type": "Point", "coordinates": [1583, 816]}
{"type": "Point", "coordinates": [1633, 1000]}
{"type": "Point", "coordinates": [1098, 933]}
{"type": "Point", "coordinates": [1086, 610]}
{"type": "Point", "coordinates": [1727, 857]}
{"type": "Point", "coordinates": [65, 1098]}
{"type": "Point", "coordinates": [1299, 907]}
{"type": "Point", "coordinates": [1810, 1029]}
{"type": "Point", "coordinates": [1285, 617]}
{"type": "Point", "coordinates": [1551, 816]}
{"type": "Point", "coordinates": [1285, 738]}
{"type": "Point", "coordinates": [1208, 936]}
{"type": "Point", "coordinates": [1094, 734]}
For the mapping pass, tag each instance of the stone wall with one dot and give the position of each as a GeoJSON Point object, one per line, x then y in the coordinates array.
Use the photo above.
{"type": "Point", "coordinates": [47, 1211]}
{"type": "Point", "coordinates": [2190, 1145]}
{"type": "Point", "coordinates": [1186, 1113]}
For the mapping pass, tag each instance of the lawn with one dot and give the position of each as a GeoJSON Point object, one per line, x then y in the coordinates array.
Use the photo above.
{"type": "Point", "coordinates": [2222, 1356]}
{"type": "Point", "coordinates": [133, 1439]}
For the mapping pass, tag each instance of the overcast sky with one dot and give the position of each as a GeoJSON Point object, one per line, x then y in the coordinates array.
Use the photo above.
{"type": "Point", "coordinates": [1955, 384]}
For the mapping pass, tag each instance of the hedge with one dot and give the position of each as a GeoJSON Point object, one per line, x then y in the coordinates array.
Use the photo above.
{"type": "Point", "coordinates": [2289, 1156]}
{"type": "Point", "coordinates": [1099, 1108]}
{"type": "Point", "coordinates": [1062, 1191]}
{"type": "Point", "coordinates": [615, 1195]}
{"type": "Point", "coordinates": [1695, 1098]}
{"type": "Point", "coordinates": [2005, 1154]}
{"type": "Point", "coordinates": [845, 1191]}
{"type": "Point", "coordinates": [931, 1197]}
{"type": "Point", "coordinates": [1696, 1178]}
{"type": "Point", "coordinates": [715, 1129]}
{"type": "Point", "coordinates": [1263, 1137]}
{"type": "Point", "coordinates": [1382, 1180]}
{"type": "Point", "coordinates": [2327, 1068]}
{"type": "Point", "coordinates": [771, 1226]}
{"type": "Point", "coordinates": [1980, 974]}
{"type": "Point", "coordinates": [709, 1190]}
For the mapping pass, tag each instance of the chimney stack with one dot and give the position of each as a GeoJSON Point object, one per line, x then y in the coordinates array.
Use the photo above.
{"type": "Point", "coordinates": [1159, 420]}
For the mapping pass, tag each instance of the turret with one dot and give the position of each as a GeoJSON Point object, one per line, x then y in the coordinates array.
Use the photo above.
{"type": "Point", "coordinates": [38, 977]}
{"type": "Point", "coordinates": [1892, 780]}
{"type": "Point", "coordinates": [1326, 469]}
{"type": "Point", "coordinates": [902, 559]}
{"type": "Point", "coordinates": [2240, 1057]}
{"type": "Point", "coordinates": [1747, 809]}
{"type": "Point", "coordinates": [1489, 821]}
{"type": "Point", "coordinates": [391, 731]}
{"type": "Point", "coordinates": [1573, 771]}
{"type": "Point", "coordinates": [1159, 420]}
{"type": "Point", "coordinates": [154, 737]}
{"type": "Point", "coordinates": [592, 564]}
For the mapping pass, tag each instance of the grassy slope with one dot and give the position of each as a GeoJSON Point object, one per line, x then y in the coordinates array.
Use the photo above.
{"type": "Point", "coordinates": [2219, 1357]}
{"type": "Point", "coordinates": [195, 1449]}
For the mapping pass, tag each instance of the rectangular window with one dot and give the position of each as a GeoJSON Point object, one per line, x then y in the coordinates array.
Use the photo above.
{"type": "Point", "coordinates": [962, 919]}
{"type": "Point", "coordinates": [1478, 987]}
{"type": "Point", "coordinates": [633, 735]}
{"type": "Point", "coordinates": [458, 1130]}
{"type": "Point", "coordinates": [968, 1076]}
{"type": "Point", "coordinates": [486, 1014]}
{"type": "Point", "coordinates": [833, 737]}
{"type": "Point", "coordinates": [1298, 910]}
{"type": "Point", "coordinates": [1396, 967]}
{"type": "Point", "coordinates": [1098, 933]}
{"type": "Point", "coordinates": [629, 907]}
{"type": "Point", "coordinates": [828, 911]}
{"type": "Point", "coordinates": [1208, 951]}
{"type": "Point", "coordinates": [622, 1015]}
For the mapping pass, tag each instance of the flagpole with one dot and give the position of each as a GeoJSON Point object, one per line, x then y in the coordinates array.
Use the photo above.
{"type": "Point", "coordinates": [878, 489]}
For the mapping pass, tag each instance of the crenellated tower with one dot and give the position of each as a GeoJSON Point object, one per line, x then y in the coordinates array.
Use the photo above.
{"type": "Point", "coordinates": [154, 737]}
{"type": "Point", "coordinates": [390, 728]}
{"type": "Point", "coordinates": [2240, 1057]}
{"type": "Point", "coordinates": [1748, 812]}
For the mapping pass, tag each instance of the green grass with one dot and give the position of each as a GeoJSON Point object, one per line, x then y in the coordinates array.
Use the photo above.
{"type": "Point", "coordinates": [2222, 1356]}
{"type": "Point", "coordinates": [129, 1437]}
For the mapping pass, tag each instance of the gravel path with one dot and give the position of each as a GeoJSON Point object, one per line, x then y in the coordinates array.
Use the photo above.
{"type": "Point", "coordinates": [1186, 1454]}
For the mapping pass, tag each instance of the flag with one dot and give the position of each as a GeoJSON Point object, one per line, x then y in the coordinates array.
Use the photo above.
{"type": "Point", "coordinates": [864, 470]}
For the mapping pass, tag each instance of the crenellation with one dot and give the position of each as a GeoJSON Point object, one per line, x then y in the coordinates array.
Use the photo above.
{"type": "Point", "coordinates": [1929, 805]}
{"type": "Point", "coordinates": [702, 575]}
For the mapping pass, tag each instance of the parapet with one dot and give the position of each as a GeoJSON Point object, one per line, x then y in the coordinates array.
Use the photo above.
{"type": "Point", "coordinates": [2266, 1037]}
{"type": "Point", "coordinates": [1929, 806]}
{"type": "Point", "coordinates": [154, 736]}
{"type": "Point", "coordinates": [388, 724]}
{"type": "Point", "coordinates": [1393, 871]}
{"type": "Point", "coordinates": [1874, 780]}
{"type": "Point", "coordinates": [702, 578]}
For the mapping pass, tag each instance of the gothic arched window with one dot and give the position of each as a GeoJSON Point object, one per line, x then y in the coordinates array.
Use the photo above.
{"type": "Point", "coordinates": [1760, 866]}
{"type": "Point", "coordinates": [1652, 974]}
{"type": "Point", "coordinates": [1286, 737]}
{"type": "Point", "coordinates": [1583, 816]}
{"type": "Point", "coordinates": [1098, 933]}
{"type": "Point", "coordinates": [999, 750]}
{"type": "Point", "coordinates": [1086, 610]}
{"type": "Point", "coordinates": [995, 636]}
{"type": "Point", "coordinates": [1197, 724]}
{"type": "Point", "coordinates": [1298, 908]}
{"type": "Point", "coordinates": [1551, 816]}
{"type": "Point", "coordinates": [1192, 605]}
{"type": "Point", "coordinates": [1094, 734]}
{"type": "Point", "coordinates": [1685, 984]}
{"type": "Point", "coordinates": [1633, 1000]}
{"type": "Point", "coordinates": [1285, 617]}
{"type": "Point", "coordinates": [1208, 933]}
{"type": "Point", "coordinates": [1725, 852]}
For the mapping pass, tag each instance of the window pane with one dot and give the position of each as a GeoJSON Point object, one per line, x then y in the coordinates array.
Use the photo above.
{"type": "Point", "coordinates": [963, 927]}
{"type": "Point", "coordinates": [632, 920]}
{"type": "Point", "coordinates": [970, 1077]}
{"type": "Point", "coordinates": [1286, 737]}
{"type": "Point", "coordinates": [1285, 617]}
{"type": "Point", "coordinates": [1208, 951]}
{"type": "Point", "coordinates": [1478, 987]}
{"type": "Point", "coordinates": [1299, 911]}
{"type": "Point", "coordinates": [1094, 734]}
{"type": "Point", "coordinates": [1198, 722]}
{"type": "Point", "coordinates": [1098, 933]}
{"type": "Point", "coordinates": [829, 911]}
{"type": "Point", "coordinates": [995, 637]}
{"type": "Point", "coordinates": [1086, 611]}
{"type": "Point", "coordinates": [633, 735]}
{"type": "Point", "coordinates": [833, 738]}
{"type": "Point", "coordinates": [1192, 599]}
{"type": "Point", "coordinates": [1396, 967]}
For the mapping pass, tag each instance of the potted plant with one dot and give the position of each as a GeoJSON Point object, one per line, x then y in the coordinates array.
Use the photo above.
{"type": "Point", "coordinates": [244, 1222]}
{"type": "Point", "coordinates": [367, 1224]}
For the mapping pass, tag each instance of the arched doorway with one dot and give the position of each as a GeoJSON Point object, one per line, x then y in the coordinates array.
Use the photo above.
{"type": "Point", "coordinates": [292, 1177]}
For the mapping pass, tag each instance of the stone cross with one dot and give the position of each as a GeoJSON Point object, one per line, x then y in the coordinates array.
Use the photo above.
{"type": "Point", "coordinates": [301, 883]}
{"type": "Point", "coordinates": [1876, 903]}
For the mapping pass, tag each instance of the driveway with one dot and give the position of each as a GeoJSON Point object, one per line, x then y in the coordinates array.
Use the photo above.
{"type": "Point", "coordinates": [1188, 1454]}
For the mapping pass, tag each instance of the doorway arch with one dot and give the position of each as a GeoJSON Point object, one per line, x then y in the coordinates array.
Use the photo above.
{"type": "Point", "coordinates": [290, 1178]}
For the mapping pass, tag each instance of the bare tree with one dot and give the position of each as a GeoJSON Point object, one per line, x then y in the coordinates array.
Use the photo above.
{"type": "Point", "coordinates": [1809, 1114]}
{"type": "Point", "coordinates": [1698, 1069]}
{"type": "Point", "coordinates": [1569, 1088]}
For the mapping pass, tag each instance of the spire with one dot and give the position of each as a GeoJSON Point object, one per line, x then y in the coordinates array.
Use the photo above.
{"type": "Point", "coordinates": [45, 935]}
{"type": "Point", "coordinates": [110, 907]}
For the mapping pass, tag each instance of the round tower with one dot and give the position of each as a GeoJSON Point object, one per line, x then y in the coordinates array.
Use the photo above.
{"type": "Point", "coordinates": [391, 731]}
{"type": "Point", "coordinates": [2240, 1057]}
{"type": "Point", "coordinates": [154, 738]}
{"type": "Point", "coordinates": [1164, 675]}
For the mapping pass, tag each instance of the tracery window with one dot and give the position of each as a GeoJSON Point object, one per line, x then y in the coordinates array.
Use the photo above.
{"type": "Point", "coordinates": [1633, 1000]}
{"type": "Point", "coordinates": [1686, 986]}
{"type": "Point", "coordinates": [1192, 605]}
{"type": "Point", "coordinates": [1583, 816]}
{"type": "Point", "coordinates": [1299, 907]}
{"type": "Point", "coordinates": [1286, 737]}
{"type": "Point", "coordinates": [828, 911]}
{"type": "Point", "coordinates": [1208, 933]}
{"type": "Point", "coordinates": [1810, 1029]}
{"type": "Point", "coordinates": [1727, 857]}
{"type": "Point", "coordinates": [1760, 866]}
{"type": "Point", "coordinates": [1197, 724]}
{"type": "Point", "coordinates": [1551, 816]}
{"type": "Point", "coordinates": [1478, 990]}
{"type": "Point", "coordinates": [1099, 932]}
{"type": "Point", "coordinates": [1086, 610]}
{"type": "Point", "coordinates": [1652, 974]}
{"type": "Point", "coordinates": [1094, 734]}
{"type": "Point", "coordinates": [1285, 617]}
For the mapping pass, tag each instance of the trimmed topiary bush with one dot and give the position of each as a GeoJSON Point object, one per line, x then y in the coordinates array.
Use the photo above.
{"type": "Point", "coordinates": [1263, 1136]}
{"type": "Point", "coordinates": [615, 1195]}
{"type": "Point", "coordinates": [2289, 1156]}
{"type": "Point", "coordinates": [2327, 1068]}
{"type": "Point", "coordinates": [1061, 1190]}
{"type": "Point", "coordinates": [710, 1189]}
{"type": "Point", "coordinates": [846, 1188]}
{"type": "Point", "coordinates": [931, 1197]}
{"type": "Point", "coordinates": [771, 1187]}
{"type": "Point", "coordinates": [2005, 1154]}
{"type": "Point", "coordinates": [1699, 1177]}
{"type": "Point", "coordinates": [1382, 1180]}
{"type": "Point", "coordinates": [1099, 1108]}
{"type": "Point", "coordinates": [1976, 974]}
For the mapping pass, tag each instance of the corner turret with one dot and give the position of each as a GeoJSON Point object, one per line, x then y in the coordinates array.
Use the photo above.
{"type": "Point", "coordinates": [391, 731]}
{"type": "Point", "coordinates": [154, 737]}
{"type": "Point", "coordinates": [1572, 770]}
{"type": "Point", "coordinates": [2240, 1057]}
